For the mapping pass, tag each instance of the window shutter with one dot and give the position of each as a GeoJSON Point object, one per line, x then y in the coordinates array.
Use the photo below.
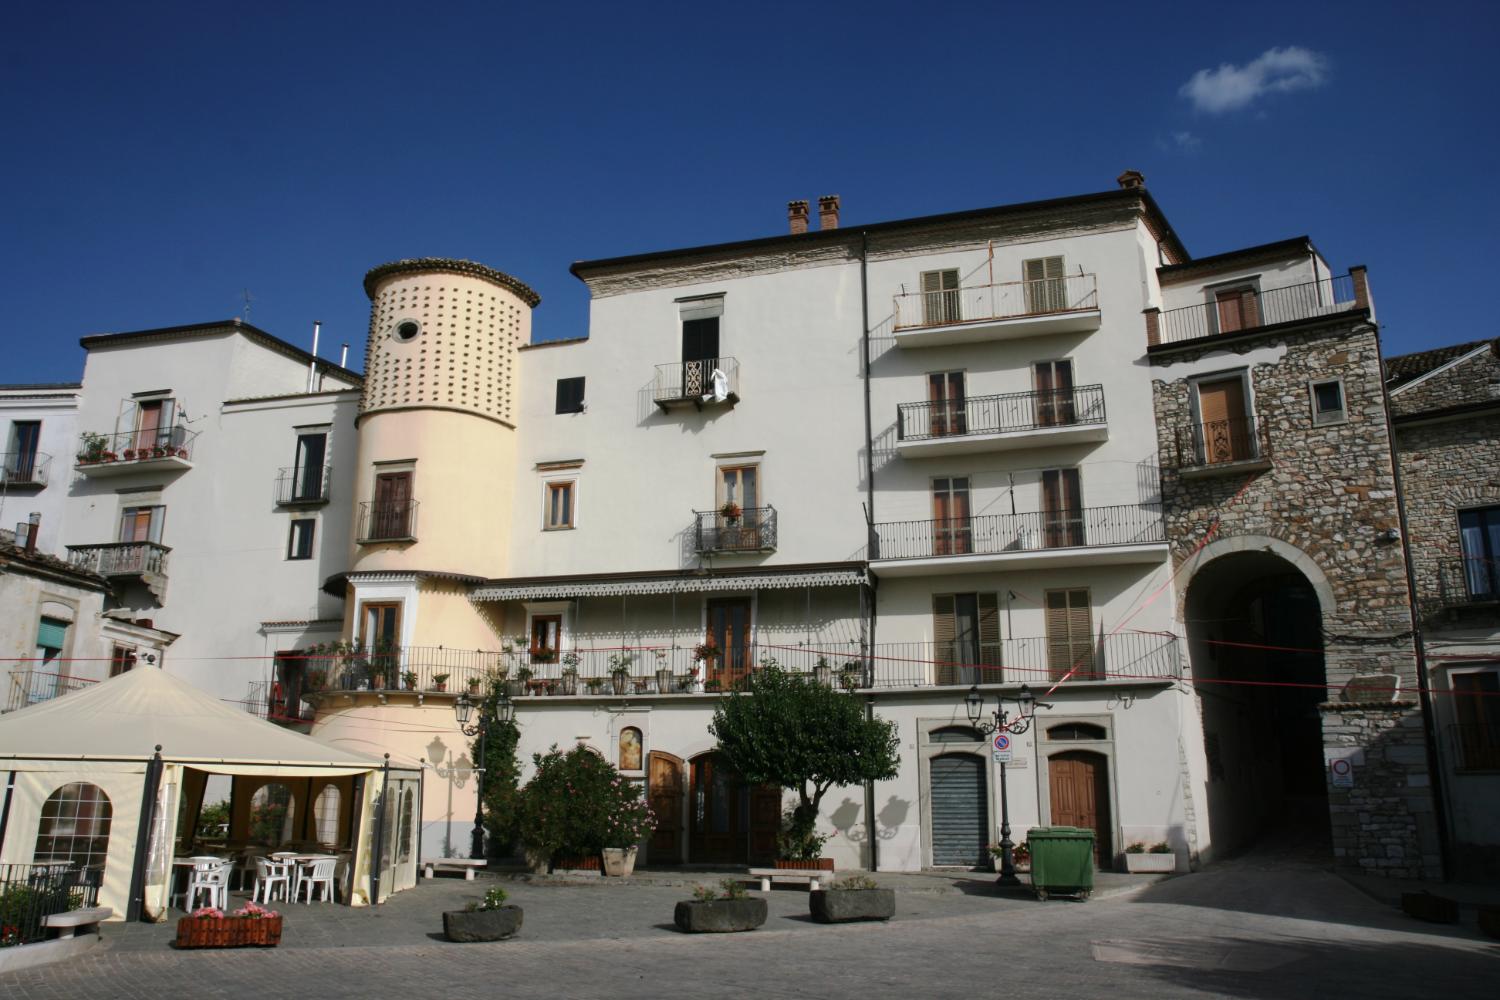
{"type": "Point", "coordinates": [989, 637]}
{"type": "Point", "coordinates": [1041, 268]}
{"type": "Point", "coordinates": [51, 633]}
{"type": "Point", "coordinates": [944, 630]}
{"type": "Point", "coordinates": [1069, 641]}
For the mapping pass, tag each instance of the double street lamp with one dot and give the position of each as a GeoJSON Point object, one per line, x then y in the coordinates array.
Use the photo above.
{"type": "Point", "coordinates": [1026, 706]}
{"type": "Point", "coordinates": [463, 710]}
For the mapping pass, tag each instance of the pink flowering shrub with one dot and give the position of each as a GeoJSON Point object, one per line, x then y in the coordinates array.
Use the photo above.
{"type": "Point", "coordinates": [577, 803]}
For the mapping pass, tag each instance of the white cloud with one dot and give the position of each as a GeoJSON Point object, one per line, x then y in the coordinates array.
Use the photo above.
{"type": "Point", "coordinates": [1179, 142]}
{"type": "Point", "coordinates": [1274, 71]}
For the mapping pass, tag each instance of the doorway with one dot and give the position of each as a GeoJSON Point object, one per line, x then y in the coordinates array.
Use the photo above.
{"type": "Point", "coordinates": [960, 810]}
{"type": "Point", "coordinates": [1078, 781]}
{"type": "Point", "coordinates": [729, 620]}
{"type": "Point", "coordinates": [664, 786]}
{"type": "Point", "coordinates": [730, 822]}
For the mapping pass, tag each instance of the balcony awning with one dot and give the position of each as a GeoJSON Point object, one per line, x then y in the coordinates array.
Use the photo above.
{"type": "Point", "coordinates": [677, 583]}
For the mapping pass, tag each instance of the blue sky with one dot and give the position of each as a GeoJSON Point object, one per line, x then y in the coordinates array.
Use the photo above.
{"type": "Point", "coordinates": [161, 158]}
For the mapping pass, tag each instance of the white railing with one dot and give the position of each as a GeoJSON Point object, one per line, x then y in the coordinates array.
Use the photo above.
{"type": "Point", "coordinates": [1006, 300]}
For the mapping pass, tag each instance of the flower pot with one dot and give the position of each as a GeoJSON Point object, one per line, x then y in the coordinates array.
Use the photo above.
{"type": "Point", "coordinates": [1139, 863]}
{"type": "Point", "coordinates": [377, 682]}
{"type": "Point", "coordinates": [482, 925]}
{"type": "Point", "coordinates": [621, 683]}
{"type": "Point", "coordinates": [229, 932]}
{"type": "Point", "coordinates": [823, 676]}
{"type": "Point", "coordinates": [838, 906]}
{"type": "Point", "coordinates": [538, 861]}
{"type": "Point", "coordinates": [515, 688]}
{"type": "Point", "coordinates": [619, 861]}
{"type": "Point", "coordinates": [664, 683]}
{"type": "Point", "coordinates": [440, 687]}
{"type": "Point", "coordinates": [568, 684]}
{"type": "Point", "coordinates": [809, 864]}
{"type": "Point", "coordinates": [719, 916]}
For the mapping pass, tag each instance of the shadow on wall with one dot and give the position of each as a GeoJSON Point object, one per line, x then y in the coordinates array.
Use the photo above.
{"type": "Point", "coordinates": [847, 819]}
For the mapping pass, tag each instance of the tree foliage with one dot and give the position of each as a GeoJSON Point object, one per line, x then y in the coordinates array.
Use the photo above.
{"type": "Point", "coordinates": [578, 803]}
{"type": "Point", "coordinates": [788, 730]}
{"type": "Point", "coordinates": [502, 776]}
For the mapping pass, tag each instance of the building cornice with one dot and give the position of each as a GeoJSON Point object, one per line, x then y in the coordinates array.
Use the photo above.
{"type": "Point", "coordinates": [448, 265]}
{"type": "Point", "coordinates": [218, 328]}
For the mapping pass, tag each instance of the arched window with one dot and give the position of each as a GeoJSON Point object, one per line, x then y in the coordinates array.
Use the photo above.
{"type": "Point", "coordinates": [74, 827]}
{"type": "Point", "coordinates": [271, 814]}
{"type": "Point", "coordinates": [326, 815]}
{"type": "Point", "coordinates": [404, 834]}
{"type": "Point", "coordinates": [1076, 731]}
{"type": "Point", "coordinates": [955, 734]}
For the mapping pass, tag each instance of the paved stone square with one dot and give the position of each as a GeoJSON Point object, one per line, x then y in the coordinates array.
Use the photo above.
{"type": "Point", "coordinates": [1233, 931]}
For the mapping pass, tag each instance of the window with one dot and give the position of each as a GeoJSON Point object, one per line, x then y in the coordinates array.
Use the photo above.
{"type": "Point", "coordinates": [955, 734]}
{"type": "Point", "coordinates": [1479, 541]}
{"type": "Point", "coordinates": [940, 301]}
{"type": "Point", "coordinates": [1225, 431]}
{"type": "Point", "coordinates": [272, 812]}
{"type": "Point", "coordinates": [142, 524]}
{"type": "Point", "coordinates": [966, 638]}
{"type": "Point", "coordinates": [154, 419]}
{"type": "Point", "coordinates": [546, 638]}
{"type": "Point", "coordinates": [952, 534]}
{"type": "Point", "coordinates": [51, 636]}
{"type": "Point", "coordinates": [1062, 508]}
{"type": "Point", "coordinates": [121, 660]}
{"type": "Point", "coordinates": [380, 625]}
{"type": "Point", "coordinates": [21, 454]}
{"type": "Point", "coordinates": [700, 344]}
{"type": "Point", "coordinates": [1069, 635]}
{"type": "Point", "coordinates": [1077, 731]}
{"type": "Point", "coordinates": [1328, 402]}
{"type": "Point", "coordinates": [1054, 393]}
{"type": "Point", "coordinates": [309, 481]}
{"type": "Point", "coordinates": [1236, 308]}
{"type": "Point", "coordinates": [326, 815]}
{"type": "Point", "coordinates": [300, 543]}
{"type": "Point", "coordinates": [1476, 706]}
{"type": "Point", "coordinates": [75, 828]}
{"type": "Point", "coordinates": [946, 409]}
{"type": "Point", "coordinates": [1046, 285]}
{"type": "Point", "coordinates": [570, 395]}
{"type": "Point", "coordinates": [391, 512]}
{"type": "Point", "coordinates": [559, 506]}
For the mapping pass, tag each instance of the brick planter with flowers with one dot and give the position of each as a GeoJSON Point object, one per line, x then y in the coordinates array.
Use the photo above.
{"type": "Point", "coordinates": [250, 926]}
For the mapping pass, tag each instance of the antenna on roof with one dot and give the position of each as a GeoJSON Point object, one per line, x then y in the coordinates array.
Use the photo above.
{"type": "Point", "coordinates": [245, 294]}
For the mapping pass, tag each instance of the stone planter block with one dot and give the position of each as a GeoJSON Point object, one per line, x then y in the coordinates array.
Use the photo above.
{"type": "Point", "coordinates": [1151, 862]}
{"type": "Point", "coordinates": [482, 925]}
{"type": "Point", "coordinates": [837, 906]}
{"type": "Point", "coordinates": [719, 916]}
{"type": "Point", "coordinates": [619, 861]}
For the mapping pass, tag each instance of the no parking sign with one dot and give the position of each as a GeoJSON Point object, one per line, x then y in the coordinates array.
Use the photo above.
{"type": "Point", "coordinates": [1341, 772]}
{"type": "Point", "coordinates": [1002, 748]}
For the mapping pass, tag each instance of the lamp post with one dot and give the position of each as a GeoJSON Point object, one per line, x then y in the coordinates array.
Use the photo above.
{"type": "Point", "coordinates": [1026, 706]}
{"type": "Point", "coordinates": [463, 710]}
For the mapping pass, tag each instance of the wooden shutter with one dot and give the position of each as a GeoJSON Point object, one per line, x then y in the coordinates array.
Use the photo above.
{"type": "Point", "coordinates": [944, 632]}
{"type": "Point", "coordinates": [1069, 637]}
{"type": "Point", "coordinates": [940, 297]}
{"type": "Point", "coordinates": [1062, 507]}
{"type": "Point", "coordinates": [945, 399]}
{"type": "Point", "coordinates": [392, 508]}
{"type": "Point", "coordinates": [989, 638]}
{"type": "Point", "coordinates": [1238, 309]}
{"type": "Point", "coordinates": [1046, 285]}
{"type": "Point", "coordinates": [1054, 389]}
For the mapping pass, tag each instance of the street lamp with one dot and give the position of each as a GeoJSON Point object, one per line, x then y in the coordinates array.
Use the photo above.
{"type": "Point", "coordinates": [1026, 706]}
{"type": "Point", "coordinates": [463, 711]}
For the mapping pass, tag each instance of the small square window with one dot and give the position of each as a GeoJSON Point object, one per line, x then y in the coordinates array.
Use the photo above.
{"type": "Point", "coordinates": [300, 542]}
{"type": "Point", "coordinates": [1328, 402]}
{"type": "Point", "coordinates": [559, 506]}
{"type": "Point", "coordinates": [570, 395]}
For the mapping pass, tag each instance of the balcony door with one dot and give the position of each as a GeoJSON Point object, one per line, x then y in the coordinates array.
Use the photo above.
{"type": "Point", "coordinates": [1237, 309]}
{"type": "Point", "coordinates": [952, 531]}
{"type": "Point", "coordinates": [546, 638]}
{"type": "Point", "coordinates": [142, 524]}
{"type": "Point", "coordinates": [153, 423]}
{"type": "Point", "coordinates": [390, 516]}
{"type": "Point", "coordinates": [1224, 430]}
{"type": "Point", "coordinates": [940, 298]}
{"type": "Point", "coordinates": [20, 463]}
{"type": "Point", "coordinates": [1046, 285]}
{"type": "Point", "coordinates": [700, 354]}
{"type": "Point", "coordinates": [729, 621]}
{"type": "Point", "coordinates": [739, 486]}
{"type": "Point", "coordinates": [945, 398]}
{"type": "Point", "coordinates": [312, 447]}
{"type": "Point", "coordinates": [1062, 508]}
{"type": "Point", "coordinates": [1054, 393]}
{"type": "Point", "coordinates": [380, 634]}
{"type": "Point", "coordinates": [966, 638]}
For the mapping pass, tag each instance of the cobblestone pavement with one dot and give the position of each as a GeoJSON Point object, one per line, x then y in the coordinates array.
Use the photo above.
{"type": "Point", "coordinates": [1235, 932]}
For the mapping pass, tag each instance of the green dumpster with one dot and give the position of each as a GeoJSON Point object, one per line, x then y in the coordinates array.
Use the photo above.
{"type": "Point", "coordinates": [1062, 860]}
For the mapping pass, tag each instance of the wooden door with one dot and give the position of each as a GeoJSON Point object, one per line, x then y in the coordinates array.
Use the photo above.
{"type": "Point", "coordinates": [1079, 782]}
{"type": "Point", "coordinates": [392, 508]}
{"type": "Point", "coordinates": [946, 408]}
{"type": "Point", "coordinates": [729, 632]}
{"type": "Point", "coordinates": [952, 531]}
{"type": "Point", "coordinates": [1224, 433]}
{"type": "Point", "coordinates": [765, 824]}
{"type": "Point", "coordinates": [664, 786]}
{"type": "Point", "coordinates": [718, 820]}
{"type": "Point", "coordinates": [1062, 508]}
{"type": "Point", "coordinates": [1054, 393]}
{"type": "Point", "coordinates": [1237, 310]}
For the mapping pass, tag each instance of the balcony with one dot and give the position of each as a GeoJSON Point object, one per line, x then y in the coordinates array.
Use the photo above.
{"type": "Point", "coordinates": [143, 562]}
{"type": "Point", "coordinates": [21, 470]}
{"type": "Point", "coordinates": [1124, 656]}
{"type": "Point", "coordinates": [751, 530]}
{"type": "Point", "coordinates": [273, 702]}
{"type": "Point", "coordinates": [167, 449]}
{"type": "Point", "coordinates": [1469, 583]}
{"type": "Point", "coordinates": [699, 383]}
{"type": "Point", "coordinates": [31, 687]}
{"type": "Point", "coordinates": [387, 521]}
{"type": "Point", "coordinates": [1220, 447]}
{"type": "Point", "coordinates": [302, 487]}
{"type": "Point", "coordinates": [1257, 310]}
{"type": "Point", "coordinates": [1476, 746]}
{"type": "Point", "coordinates": [1001, 423]}
{"type": "Point", "coordinates": [1089, 536]}
{"type": "Point", "coordinates": [1005, 311]}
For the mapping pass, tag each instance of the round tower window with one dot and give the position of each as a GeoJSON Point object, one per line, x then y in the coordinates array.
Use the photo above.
{"type": "Point", "coordinates": [406, 330]}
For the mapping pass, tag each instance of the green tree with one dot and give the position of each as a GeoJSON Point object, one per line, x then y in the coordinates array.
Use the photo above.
{"type": "Point", "coordinates": [788, 730]}
{"type": "Point", "coordinates": [502, 776]}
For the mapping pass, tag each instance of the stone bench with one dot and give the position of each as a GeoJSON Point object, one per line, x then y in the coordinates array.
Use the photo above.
{"type": "Point", "coordinates": [466, 865]}
{"type": "Point", "coordinates": [814, 877]}
{"type": "Point", "coordinates": [86, 920]}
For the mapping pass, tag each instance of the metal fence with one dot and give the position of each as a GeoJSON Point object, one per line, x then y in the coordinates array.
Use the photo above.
{"type": "Point", "coordinates": [1467, 581]}
{"type": "Point", "coordinates": [997, 534]}
{"type": "Point", "coordinates": [694, 380]}
{"type": "Point", "coordinates": [30, 687]}
{"type": "Point", "coordinates": [31, 893]}
{"type": "Point", "coordinates": [387, 520]}
{"type": "Point", "coordinates": [25, 468]}
{"type": "Point", "coordinates": [294, 485]}
{"type": "Point", "coordinates": [1253, 309]}
{"type": "Point", "coordinates": [1026, 660]}
{"type": "Point", "coordinates": [136, 446]}
{"type": "Point", "coordinates": [1012, 411]}
{"type": "Point", "coordinates": [1217, 442]}
{"type": "Point", "coordinates": [753, 529]}
{"type": "Point", "coordinates": [1003, 300]}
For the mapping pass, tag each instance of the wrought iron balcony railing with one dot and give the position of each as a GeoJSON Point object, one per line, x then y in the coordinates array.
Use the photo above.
{"type": "Point", "coordinates": [1004, 300]}
{"type": "Point", "coordinates": [1255, 309]}
{"type": "Point", "coordinates": [296, 486]}
{"type": "Point", "coordinates": [24, 468]}
{"type": "Point", "coordinates": [137, 446]}
{"type": "Point", "coordinates": [29, 687]}
{"type": "Point", "coordinates": [1476, 746]}
{"type": "Point", "coordinates": [388, 521]}
{"type": "Point", "coordinates": [999, 534]}
{"type": "Point", "coordinates": [1469, 581]}
{"type": "Point", "coordinates": [1119, 657]}
{"type": "Point", "coordinates": [1012, 411]}
{"type": "Point", "coordinates": [701, 382]}
{"type": "Point", "coordinates": [1220, 442]}
{"type": "Point", "coordinates": [752, 529]}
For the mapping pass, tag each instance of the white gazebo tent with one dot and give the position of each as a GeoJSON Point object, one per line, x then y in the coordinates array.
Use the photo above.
{"type": "Point", "coordinates": [140, 736]}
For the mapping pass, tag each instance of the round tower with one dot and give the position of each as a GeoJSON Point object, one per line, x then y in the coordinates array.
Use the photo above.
{"type": "Point", "coordinates": [437, 418]}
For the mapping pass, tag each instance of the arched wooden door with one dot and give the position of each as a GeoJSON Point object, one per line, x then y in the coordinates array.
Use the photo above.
{"type": "Point", "coordinates": [665, 789]}
{"type": "Point", "coordinates": [1079, 782]}
{"type": "Point", "coordinates": [729, 822]}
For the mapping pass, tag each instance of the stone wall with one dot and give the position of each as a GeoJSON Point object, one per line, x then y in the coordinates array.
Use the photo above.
{"type": "Point", "coordinates": [1470, 382]}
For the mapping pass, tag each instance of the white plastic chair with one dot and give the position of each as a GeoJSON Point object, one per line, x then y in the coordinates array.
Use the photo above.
{"type": "Point", "coordinates": [315, 873]}
{"type": "Point", "coordinates": [210, 875]}
{"type": "Point", "coordinates": [268, 875]}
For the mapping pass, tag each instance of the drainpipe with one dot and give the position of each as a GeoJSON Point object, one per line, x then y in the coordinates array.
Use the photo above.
{"type": "Point", "coordinates": [871, 834]}
{"type": "Point", "coordinates": [1424, 696]}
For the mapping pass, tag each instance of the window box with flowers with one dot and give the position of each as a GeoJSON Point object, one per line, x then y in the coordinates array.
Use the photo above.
{"type": "Point", "coordinates": [249, 926]}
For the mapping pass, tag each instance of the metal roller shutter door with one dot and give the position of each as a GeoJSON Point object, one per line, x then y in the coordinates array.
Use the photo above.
{"type": "Point", "coordinates": [960, 820]}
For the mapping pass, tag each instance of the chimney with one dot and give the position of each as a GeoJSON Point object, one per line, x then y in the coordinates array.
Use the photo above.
{"type": "Point", "coordinates": [828, 211]}
{"type": "Point", "coordinates": [796, 216]}
{"type": "Point", "coordinates": [1131, 179]}
{"type": "Point", "coordinates": [33, 528]}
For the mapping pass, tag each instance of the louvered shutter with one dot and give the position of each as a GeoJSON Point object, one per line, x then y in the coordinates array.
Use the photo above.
{"type": "Point", "coordinates": [960, 814]}
{"type": "Point", "coordinates": [940, 297]}
{"type": "Point", "coordinates": [944, 631]}
{"type": "Point", "coordinates": [989, 638]}
{"type": "Point", "coordinates": [51, 633]}
{"type": "Point", "coordinates": [1069, 638]}
{"type": "Point", "coordinates": [1046, 288]}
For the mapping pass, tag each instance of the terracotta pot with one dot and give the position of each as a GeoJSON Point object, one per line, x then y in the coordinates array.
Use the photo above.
{"type": "Point", "coordinates": [818, 864]}
{"type": "Point", "coordinates": [619, 861]}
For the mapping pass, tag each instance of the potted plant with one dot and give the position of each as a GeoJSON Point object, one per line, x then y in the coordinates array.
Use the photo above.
{"type": "Point", "coordinates": [250, 925]}
{"type": "Point", "coordinates": [799, 845]}
{"type": "Point", "coordinates": [822, 672]}
{"type": "Point", "coordinates": [630, 820]}
{"type": "Point", "coordinates": [440, 682]}
{"type": "Point", "coordinates": [712, 684]}
{"type": "Point", "coordinates": [705, 652]}
{"type": "Point", "coordinates": [314, 680]}
{"type": "Point", "coordinates": [490, 919]}
{"type": "Point", "coordinates": [851, 675]}
{"type": "Point", "coordinates": [619, 672]}
{"type": "Point", "coordinates": [376, 673]}
{"type": "Point", "coordinates": [159, 452]}
{"type": "Point", "coordinates": [857, 897]}
{"type": "Point", "coordinates": [569, 676]}
{"type": "Point", "coordinates": [474, 683]}
{"type": "Point", "coordinates": [129, 454]}
{"type": "Point", "coordinates": [595, 684]}
{"type": "Point", "coordinates": [710, 912]}
{"type": "Point", "coordinates": [91, 448]}
{"type": "Point", "coordinates": [409, 679]}
{"type": "Point", "coordinates": [1020, 855]}
{"type": "Point", "coordinates": [730, 512]}
{"type": "Point", "coordinates": [523, 680]}
{"type": "Point", "coordinates": [1158, 859]}
{"type": "Point", "coordinates": [664, 683]}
